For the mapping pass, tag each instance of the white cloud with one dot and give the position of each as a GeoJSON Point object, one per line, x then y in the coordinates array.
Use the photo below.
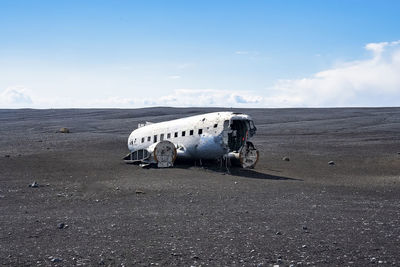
{"type": "Point", "coordinates": [15, 97]}
{"type": "Point", "coordinates": [242, 52]}
{"type": "Point", "coordinates": [371, 82]}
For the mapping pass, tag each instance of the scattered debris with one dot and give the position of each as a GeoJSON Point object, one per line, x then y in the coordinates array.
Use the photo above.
{"type": "Point", "coordinates": [331, 162]}
{"type": "Point", "coordinates": [56, 259]}
{"type": "Point", "coordinates": [34, 185]}
{"type": "Point", "coordinates": [139, 192]}
{"type": "Point", "coordinates": [62, 225]}
{"type": "Point", "coordinates": [64, 130]}
{"type": "Point", "coordinates": [286, 158]}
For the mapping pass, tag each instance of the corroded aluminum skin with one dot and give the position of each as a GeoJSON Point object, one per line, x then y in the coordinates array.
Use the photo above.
{"type": "Point", "coordinates": [212, 143]}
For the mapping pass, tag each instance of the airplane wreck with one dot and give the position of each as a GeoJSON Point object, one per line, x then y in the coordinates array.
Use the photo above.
{"type": "Point", "coordinates": [219, 135]}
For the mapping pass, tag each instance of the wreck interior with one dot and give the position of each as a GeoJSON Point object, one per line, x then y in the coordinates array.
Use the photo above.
{"type": "Point", "coordinates": [237, 136]}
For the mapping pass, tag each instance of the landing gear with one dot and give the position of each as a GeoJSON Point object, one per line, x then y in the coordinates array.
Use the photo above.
{"type": "Point", "coordinates": [248, 155]}
{"type": "Point", "coordinates": [164, 154]}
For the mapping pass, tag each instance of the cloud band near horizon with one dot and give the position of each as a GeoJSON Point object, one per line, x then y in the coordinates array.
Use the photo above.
{"type": "Point", "coordinates": [374, 82]}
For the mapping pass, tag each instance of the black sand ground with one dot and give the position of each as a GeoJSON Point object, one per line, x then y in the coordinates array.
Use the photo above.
{"type": "Point", "coordinates": [298, 212]}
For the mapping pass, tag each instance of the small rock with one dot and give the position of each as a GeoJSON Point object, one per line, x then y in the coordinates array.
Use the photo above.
{"type": "Point", "coordinates": [278, 233]}
{"type": "Point", "coordinates": [56, 260]}
{"type": "Point", "coordinates": [331, 162]}
{"type": "Point", "coordinates": [286, 158]}
{"type": "Point", "coordinates": [64, 130]}
{"type": "Point", "coordinates": [61, 226]}
{"type": "Point", "coordinates": [34, 185]}
{"type": "Point", "coordinates": [139, 192]}
{"type": "Point", "coordinates": [7, 156]}
{"type": "Point", "coordinates": [373, 259]}
{"type": "Point", "coordinates": [304, 246]}
{"type": "Point", "coordinates": [305, 227]}
{"type": "Point", "coordinates": [398, 153]}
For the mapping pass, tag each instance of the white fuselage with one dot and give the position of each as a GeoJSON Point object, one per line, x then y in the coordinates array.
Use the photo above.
{"type": "Point", "coordinates": [206, 136]}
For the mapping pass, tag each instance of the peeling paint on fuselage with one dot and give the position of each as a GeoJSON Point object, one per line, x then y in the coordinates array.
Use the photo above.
{"type": "Point", "coordinates": [211, 143]}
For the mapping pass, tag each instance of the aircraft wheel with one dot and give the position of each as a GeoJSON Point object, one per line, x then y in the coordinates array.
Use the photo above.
{"type": "Point", "coordinates": [165, 154]}
{"type": "Point", "coordinates": [248, 156]}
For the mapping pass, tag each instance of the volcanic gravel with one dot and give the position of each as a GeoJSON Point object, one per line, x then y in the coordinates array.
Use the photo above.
{"type": "Point", "coordinates": [69, 199]}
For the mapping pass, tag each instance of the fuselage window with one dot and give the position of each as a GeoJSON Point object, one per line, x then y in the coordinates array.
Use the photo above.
{"type": "Point", "coordinates": [191, 132]}
{"type": "Point", "coordinates": [176, 134]}
{"type": "Point", "coordinates": [161, 137]}
{"type": "Point", "coordinates": [142, 139]}
{"type": "Point", "coordinates": [168, 135]}
{"type": "Point", "coordinates": [200, 131]}
{"type": "Point", "coordinates": [226, 124]}
{"type": "Point", "coordinates": [148, 138]}
{"type": "Point", "coordinates": [135, 141]}
{"type": "Point", "coordinates": [155, 138]}
{"type": "Point", "coordinates": [216, 125]}
{"type": "Point", "coordinates": [183, 133]}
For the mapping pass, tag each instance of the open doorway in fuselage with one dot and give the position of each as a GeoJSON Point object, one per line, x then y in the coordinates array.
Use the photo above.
{"type": "Point", "coordinates": [238, 135]}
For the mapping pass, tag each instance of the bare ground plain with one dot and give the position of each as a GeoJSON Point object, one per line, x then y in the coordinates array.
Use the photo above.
{"type": "Point", "coordinates": [298, 212]}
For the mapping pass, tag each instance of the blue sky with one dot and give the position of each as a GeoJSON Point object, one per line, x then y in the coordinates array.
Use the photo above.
{"type": "Point", "coordinates": [56, 54]}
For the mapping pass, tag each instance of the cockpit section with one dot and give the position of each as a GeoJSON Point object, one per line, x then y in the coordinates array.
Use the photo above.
{"type": "Point", "coordinates": [240, 130]}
